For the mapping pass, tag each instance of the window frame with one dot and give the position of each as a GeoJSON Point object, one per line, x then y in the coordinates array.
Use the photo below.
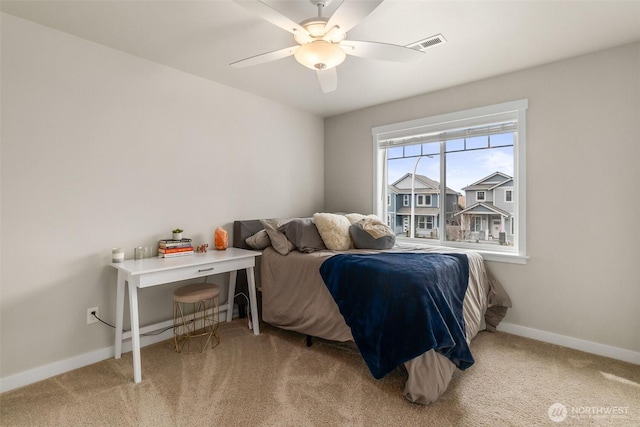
{"type": "Point", "coordinates": [484, 196]}
{"type": "Point", "coordinates": [506, 192]}
{"type": "Point", "coordinates": [513, 110]}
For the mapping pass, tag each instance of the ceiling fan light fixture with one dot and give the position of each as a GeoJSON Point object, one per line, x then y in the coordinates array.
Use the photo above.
{"type": "Point", "coordinates": [334, 35]}
{"type": "Point", "coordinates": [315, 26]}
{"type": "Point", "coordinates": [320, 55]}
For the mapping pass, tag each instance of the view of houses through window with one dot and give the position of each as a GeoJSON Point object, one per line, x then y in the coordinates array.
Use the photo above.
{"type": "Point", "coordinates": [479, 196]}
{"type": "Point", "coordinates": [457, 179]}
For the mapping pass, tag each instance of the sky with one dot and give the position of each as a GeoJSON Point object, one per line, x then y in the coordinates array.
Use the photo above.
{"type": "Point", "coordinates": [463, 167]}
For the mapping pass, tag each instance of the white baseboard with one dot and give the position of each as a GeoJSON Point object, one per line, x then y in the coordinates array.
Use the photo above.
{"type": "Point", "coordinates": [47, 371]}
{"type": "Point", "coordinates": [574, 343]}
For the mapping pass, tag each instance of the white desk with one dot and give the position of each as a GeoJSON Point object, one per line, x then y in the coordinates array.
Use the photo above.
{"type": "Point", "coordinates": [158, 271]}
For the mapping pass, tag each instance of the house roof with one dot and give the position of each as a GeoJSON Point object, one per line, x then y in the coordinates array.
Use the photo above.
{"type": "Point", "coordinates": [488, 182]}
{"type": "Point", "coordinates": [431, 186]}
{"type": "Point", "coordinates": [481, 208]}
{"type": "Point", "coordinates": [396, 190]}
{"type": "Point", "coordinates": [478, 187]}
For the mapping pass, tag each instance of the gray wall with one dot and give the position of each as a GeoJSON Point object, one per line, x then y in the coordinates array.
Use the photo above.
{"type": "Point", "coordinates": [582, 128]}
{"type": "Point", "coordinates": [499, 195]}
{"type": "Point", "coordinates": [103, 149]}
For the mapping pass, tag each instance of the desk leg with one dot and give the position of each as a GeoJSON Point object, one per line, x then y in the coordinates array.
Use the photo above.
{"type": "Point", "coordinates": [135, 333]}
{"type": "Point", "coordinates": [232, 294]}
{"type": "Point", "coordinates": [119, 315]}
{"type": "Point", "coordinates": [251, 279]}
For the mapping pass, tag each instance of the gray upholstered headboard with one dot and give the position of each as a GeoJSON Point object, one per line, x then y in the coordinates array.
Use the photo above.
{"type": "Point", "coordinates": [242, 230]}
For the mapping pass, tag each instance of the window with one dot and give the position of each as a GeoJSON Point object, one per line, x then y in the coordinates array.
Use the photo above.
{"type": "Point", "coordinates": [464, 158]}
{"type": "Point", "coordinates": [425, 222]}
{"type": "Point", "coordinates": [422, 222]}
{"type": "Point", "coordinates": [423, 200]}
{"type": "Point", "coordinates": [508, 196]}
{"type": "Point", "coordinates": [429, 222]}
{"type": "Point", "coordinates": [388, 199]}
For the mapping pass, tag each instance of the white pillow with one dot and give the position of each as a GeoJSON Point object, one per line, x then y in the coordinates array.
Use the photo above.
{"type": "Point", "coordinates": [356, 217]}
{"type": "Point", "coordinates": [334, 230]}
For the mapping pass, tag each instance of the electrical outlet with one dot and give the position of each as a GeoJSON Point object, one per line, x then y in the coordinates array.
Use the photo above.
{"type": "Point", "coordinates": [90, 317]}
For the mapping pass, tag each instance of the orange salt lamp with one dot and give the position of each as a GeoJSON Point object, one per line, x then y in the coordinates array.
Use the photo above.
{"type": "Point", "coordinates": [221, 239]}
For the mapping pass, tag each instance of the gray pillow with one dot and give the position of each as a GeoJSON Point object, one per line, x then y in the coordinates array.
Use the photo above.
{"type": "Point", "coordinates": [363, 240]}
{"type": "Point", "coordinates": [279, 241]}
{"type": "Point", "coordinates": [260, 240]}
{"type": "Point", "coordinates": [304, 235]}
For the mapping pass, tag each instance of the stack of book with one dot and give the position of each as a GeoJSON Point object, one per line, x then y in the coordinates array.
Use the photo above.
{"type": "Point", "coordinates": [169, 248]}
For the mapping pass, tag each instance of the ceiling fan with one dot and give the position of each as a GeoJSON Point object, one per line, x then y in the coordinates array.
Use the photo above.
{"type": "Point", "coordinates": [321, 42]}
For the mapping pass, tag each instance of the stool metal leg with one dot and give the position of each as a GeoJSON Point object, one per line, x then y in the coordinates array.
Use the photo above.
{"type": "Point", "coordinates": [186, 327]}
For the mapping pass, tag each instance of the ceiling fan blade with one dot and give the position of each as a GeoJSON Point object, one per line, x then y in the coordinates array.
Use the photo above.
{"type": "Point", "coordinates": [384, 51]}
{"type": "Point", "coordinates": [268, 13]}
{"type": "Point", "coordinates": [350, 13]}
{"type": "Point", "coordinates": [265, 57]}
{"type": "Point", "coordinates": [328, 79]}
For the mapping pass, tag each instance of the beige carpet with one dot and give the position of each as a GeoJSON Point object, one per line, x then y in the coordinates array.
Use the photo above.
{"type": "Point", "coordinates": [275, 380]}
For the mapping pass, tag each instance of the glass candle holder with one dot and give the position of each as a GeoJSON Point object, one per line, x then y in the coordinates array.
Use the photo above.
{"type": "Point", "coordinates": [117, 255]}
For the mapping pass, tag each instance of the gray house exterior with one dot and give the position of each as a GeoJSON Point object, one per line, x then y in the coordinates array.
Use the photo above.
{"type": "Point", "coordinates": [426, 202]}
{"type": "Point", "coordinates": [490, 207]}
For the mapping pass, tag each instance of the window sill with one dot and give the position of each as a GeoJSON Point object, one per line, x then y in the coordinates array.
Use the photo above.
{"type": "Point", "coordinates": [511, 258]}
{"type": "Point", "coordinates": [502, 257]}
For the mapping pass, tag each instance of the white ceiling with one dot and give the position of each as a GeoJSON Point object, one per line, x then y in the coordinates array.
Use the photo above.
{"type": "Point", "coordinates": [484, 39]}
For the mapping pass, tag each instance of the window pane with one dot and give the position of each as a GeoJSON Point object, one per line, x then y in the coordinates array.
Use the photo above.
{"type": "Point", "coordinates": [502, 139]}
{"type": "Point", "coordinates": [455, 145]}
{"type": "Point", "coordinates": [482, 178]}
{"type": "Point", "coordinates": [412, 150]}
{"type": "Point", "coordinates": [425, 189]}
{"type": "Point", "coordinates": [396, 152]}
{"type": "Point", "coordinates": [477, 142]}
{"type": "Point", "coordinates": [432, 148]}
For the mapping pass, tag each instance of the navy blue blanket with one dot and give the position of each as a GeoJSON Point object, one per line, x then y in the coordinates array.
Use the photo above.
{"type": "Point", "coordinates": [399, 305]}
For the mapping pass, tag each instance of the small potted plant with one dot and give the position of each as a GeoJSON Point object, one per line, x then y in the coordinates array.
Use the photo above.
{"type": "Point", "coordinates": [177, 234]}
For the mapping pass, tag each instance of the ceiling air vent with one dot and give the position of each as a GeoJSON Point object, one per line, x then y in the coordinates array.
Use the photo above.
{"type": "Point", "coordinates": [425, 44]}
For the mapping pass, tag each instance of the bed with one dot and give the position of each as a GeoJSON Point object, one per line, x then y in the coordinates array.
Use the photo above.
{"type": "Point", "coordinates": [295, 297]}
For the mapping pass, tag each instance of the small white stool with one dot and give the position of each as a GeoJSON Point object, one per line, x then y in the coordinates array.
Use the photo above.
{"type": "Point", "coordinates": [196, 316]}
